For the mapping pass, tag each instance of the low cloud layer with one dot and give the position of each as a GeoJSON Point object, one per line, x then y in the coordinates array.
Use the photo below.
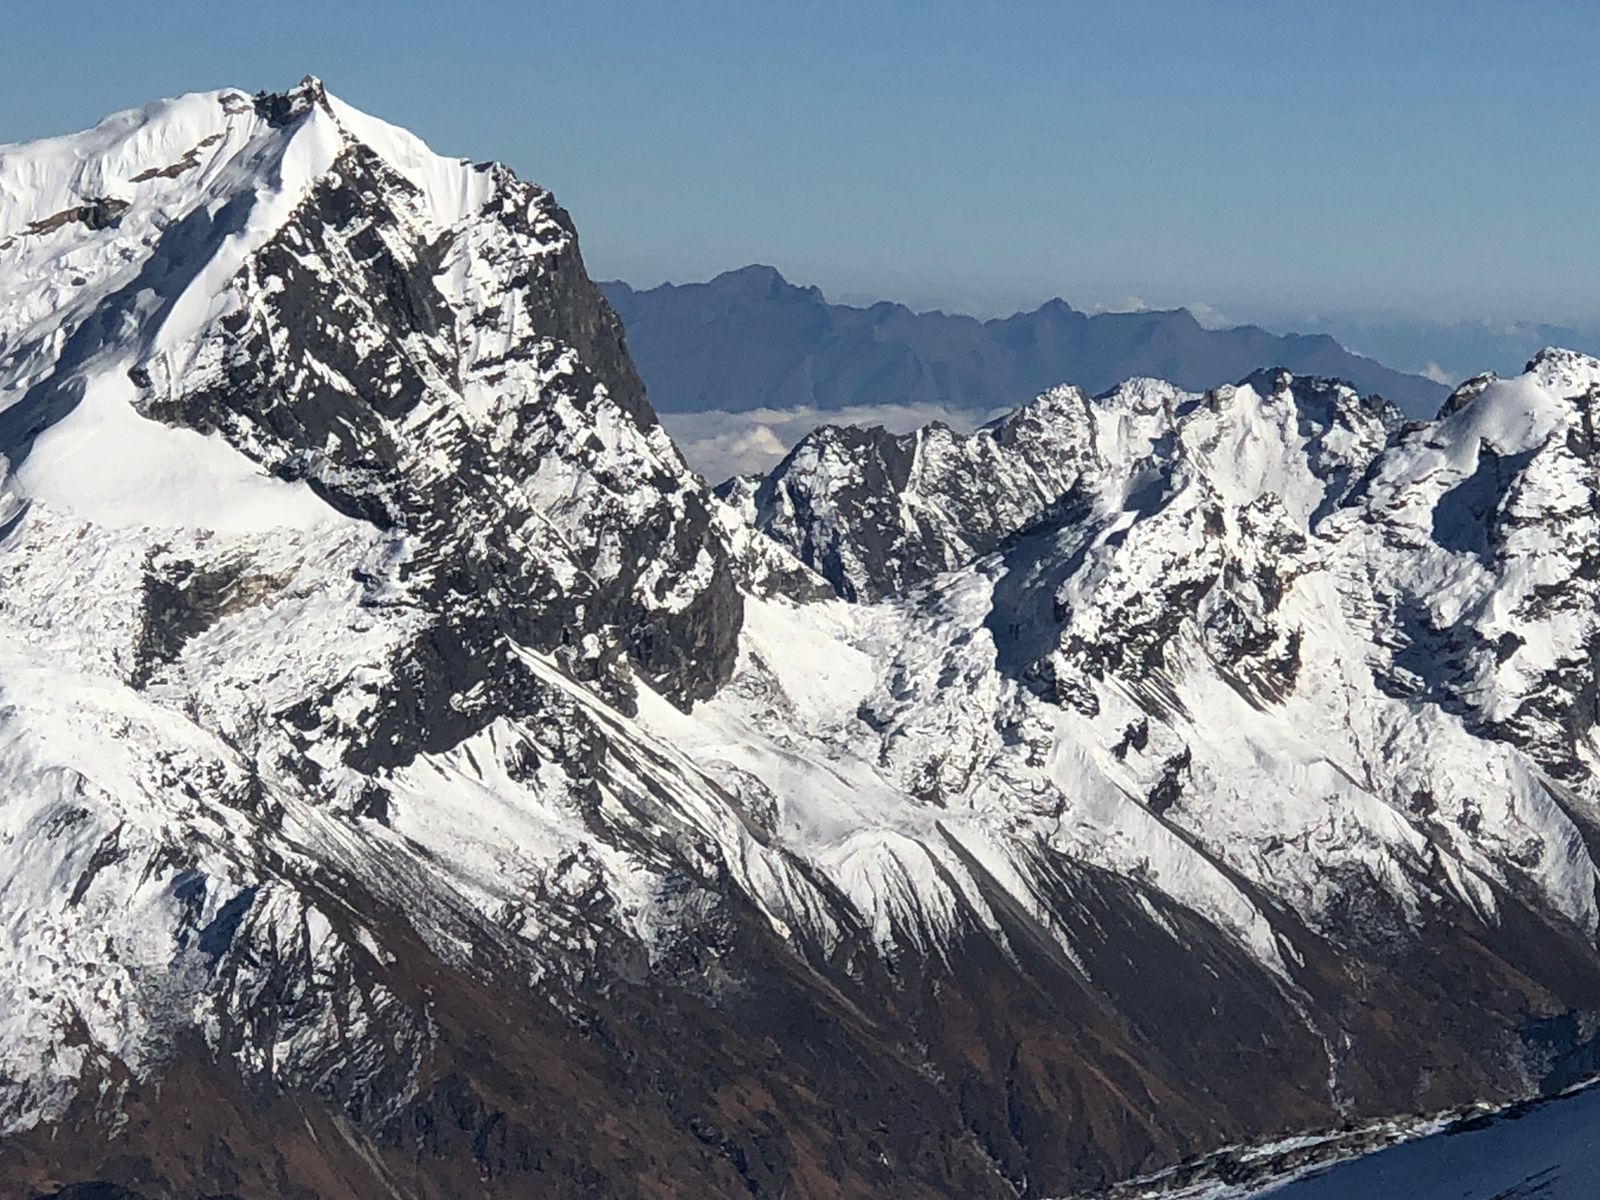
{"type": "Point", "coordinates": [722, 444]}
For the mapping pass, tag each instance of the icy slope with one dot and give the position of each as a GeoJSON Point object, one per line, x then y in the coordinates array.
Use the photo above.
{"type": "Point", "coordinates": [414, 781]}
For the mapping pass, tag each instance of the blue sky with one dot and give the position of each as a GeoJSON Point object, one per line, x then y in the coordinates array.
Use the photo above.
{"type": "Point", "coordinates": [1436, 158]}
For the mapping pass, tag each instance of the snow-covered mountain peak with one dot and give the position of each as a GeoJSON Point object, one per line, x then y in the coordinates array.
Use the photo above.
{"type": "Point", "coordinates": [296, 101]}
{"type": "Point", "coordinates": [119, 245]}
{"type": "Point", "coordinates": [875, 512]}
{"type": "Point", "coordinates": [172, 151]}
{"type": "Point", "coordinates": [296, 315]}
{"type": "Point", "coordinates": [1568, 371]}
{"type": "Point", "coordinates": [1059, 403]}
{"type": "Point", "coordinates": [1555, 396]}
{"type": "Point", "coordinates": [319, 454]}
{"type": "Point", "coordinates": [412, 777]}
{"type": "Point", "coordinates": [90, 204]}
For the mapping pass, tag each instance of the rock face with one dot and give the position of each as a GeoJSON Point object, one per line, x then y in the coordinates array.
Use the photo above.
{"type": "Point", "coordinates": [750, 339]}
{"type": "Point", "coordinates": [874, 513]}
{"type": "Point", "coordinates": [415, 782]}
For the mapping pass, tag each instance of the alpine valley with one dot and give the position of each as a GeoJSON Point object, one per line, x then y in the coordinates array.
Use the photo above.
{"type": "Point", "coordinates": [416, 783]}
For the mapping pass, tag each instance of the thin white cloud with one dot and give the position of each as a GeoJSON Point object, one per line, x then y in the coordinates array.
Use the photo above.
{"type": "Point", "coordinates": [1438, 374]}
{"type": "Point", "coordinates": [1128, 304]}
{"type": "Point", "coordinates": [1209, 317]}
{"type": "Point", "coordinates": [722, 444]}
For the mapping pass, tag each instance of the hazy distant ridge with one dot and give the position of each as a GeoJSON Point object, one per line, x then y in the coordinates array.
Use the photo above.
{"type": "Point", "coordinates": [751, 339]}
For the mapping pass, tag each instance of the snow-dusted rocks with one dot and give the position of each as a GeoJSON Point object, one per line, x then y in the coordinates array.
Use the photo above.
{"type": "Point", "coordinates": [414, 781]}
{"type": "Point", "coordinates": [1281, 590]}
{"type": "Point", "coordinates": [1271, 650]}
{"type": "Point", "coordinates": [874, 512]}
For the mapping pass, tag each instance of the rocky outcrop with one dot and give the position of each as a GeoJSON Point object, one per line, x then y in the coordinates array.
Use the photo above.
{"type": "Point", "coordinates": [875, 513]}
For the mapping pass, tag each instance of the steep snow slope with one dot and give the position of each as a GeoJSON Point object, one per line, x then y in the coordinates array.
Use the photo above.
{"type": "Point", "coordinates": [1270, 650]}
{"type": "Point", "coordinates": [415, 782]}
{"type": "Point", "coordinates": [1325, 646]}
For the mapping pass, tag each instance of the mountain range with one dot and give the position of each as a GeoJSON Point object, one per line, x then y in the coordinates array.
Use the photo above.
{"type": "Point", "coordinates": [416, 782]}
{"type": "Point", "coordinates": [749, 339]}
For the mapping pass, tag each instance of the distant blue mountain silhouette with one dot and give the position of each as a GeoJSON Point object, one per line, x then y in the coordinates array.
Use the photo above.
{"type": "Point", "coordinates": [751, 339]}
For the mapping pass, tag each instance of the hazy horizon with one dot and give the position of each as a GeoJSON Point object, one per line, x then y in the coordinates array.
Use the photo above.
{"type": "Point", "coordinates": [1446, 350]}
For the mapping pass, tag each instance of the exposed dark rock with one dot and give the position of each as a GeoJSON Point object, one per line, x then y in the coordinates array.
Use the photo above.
{"type": "Point", "coordinates": [97, 213]}
{"type": "Point", "coordinates": [280, 396]}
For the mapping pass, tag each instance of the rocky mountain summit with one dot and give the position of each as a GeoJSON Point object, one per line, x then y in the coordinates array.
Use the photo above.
{"type": "Point", "coordinates": [418, 783]}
